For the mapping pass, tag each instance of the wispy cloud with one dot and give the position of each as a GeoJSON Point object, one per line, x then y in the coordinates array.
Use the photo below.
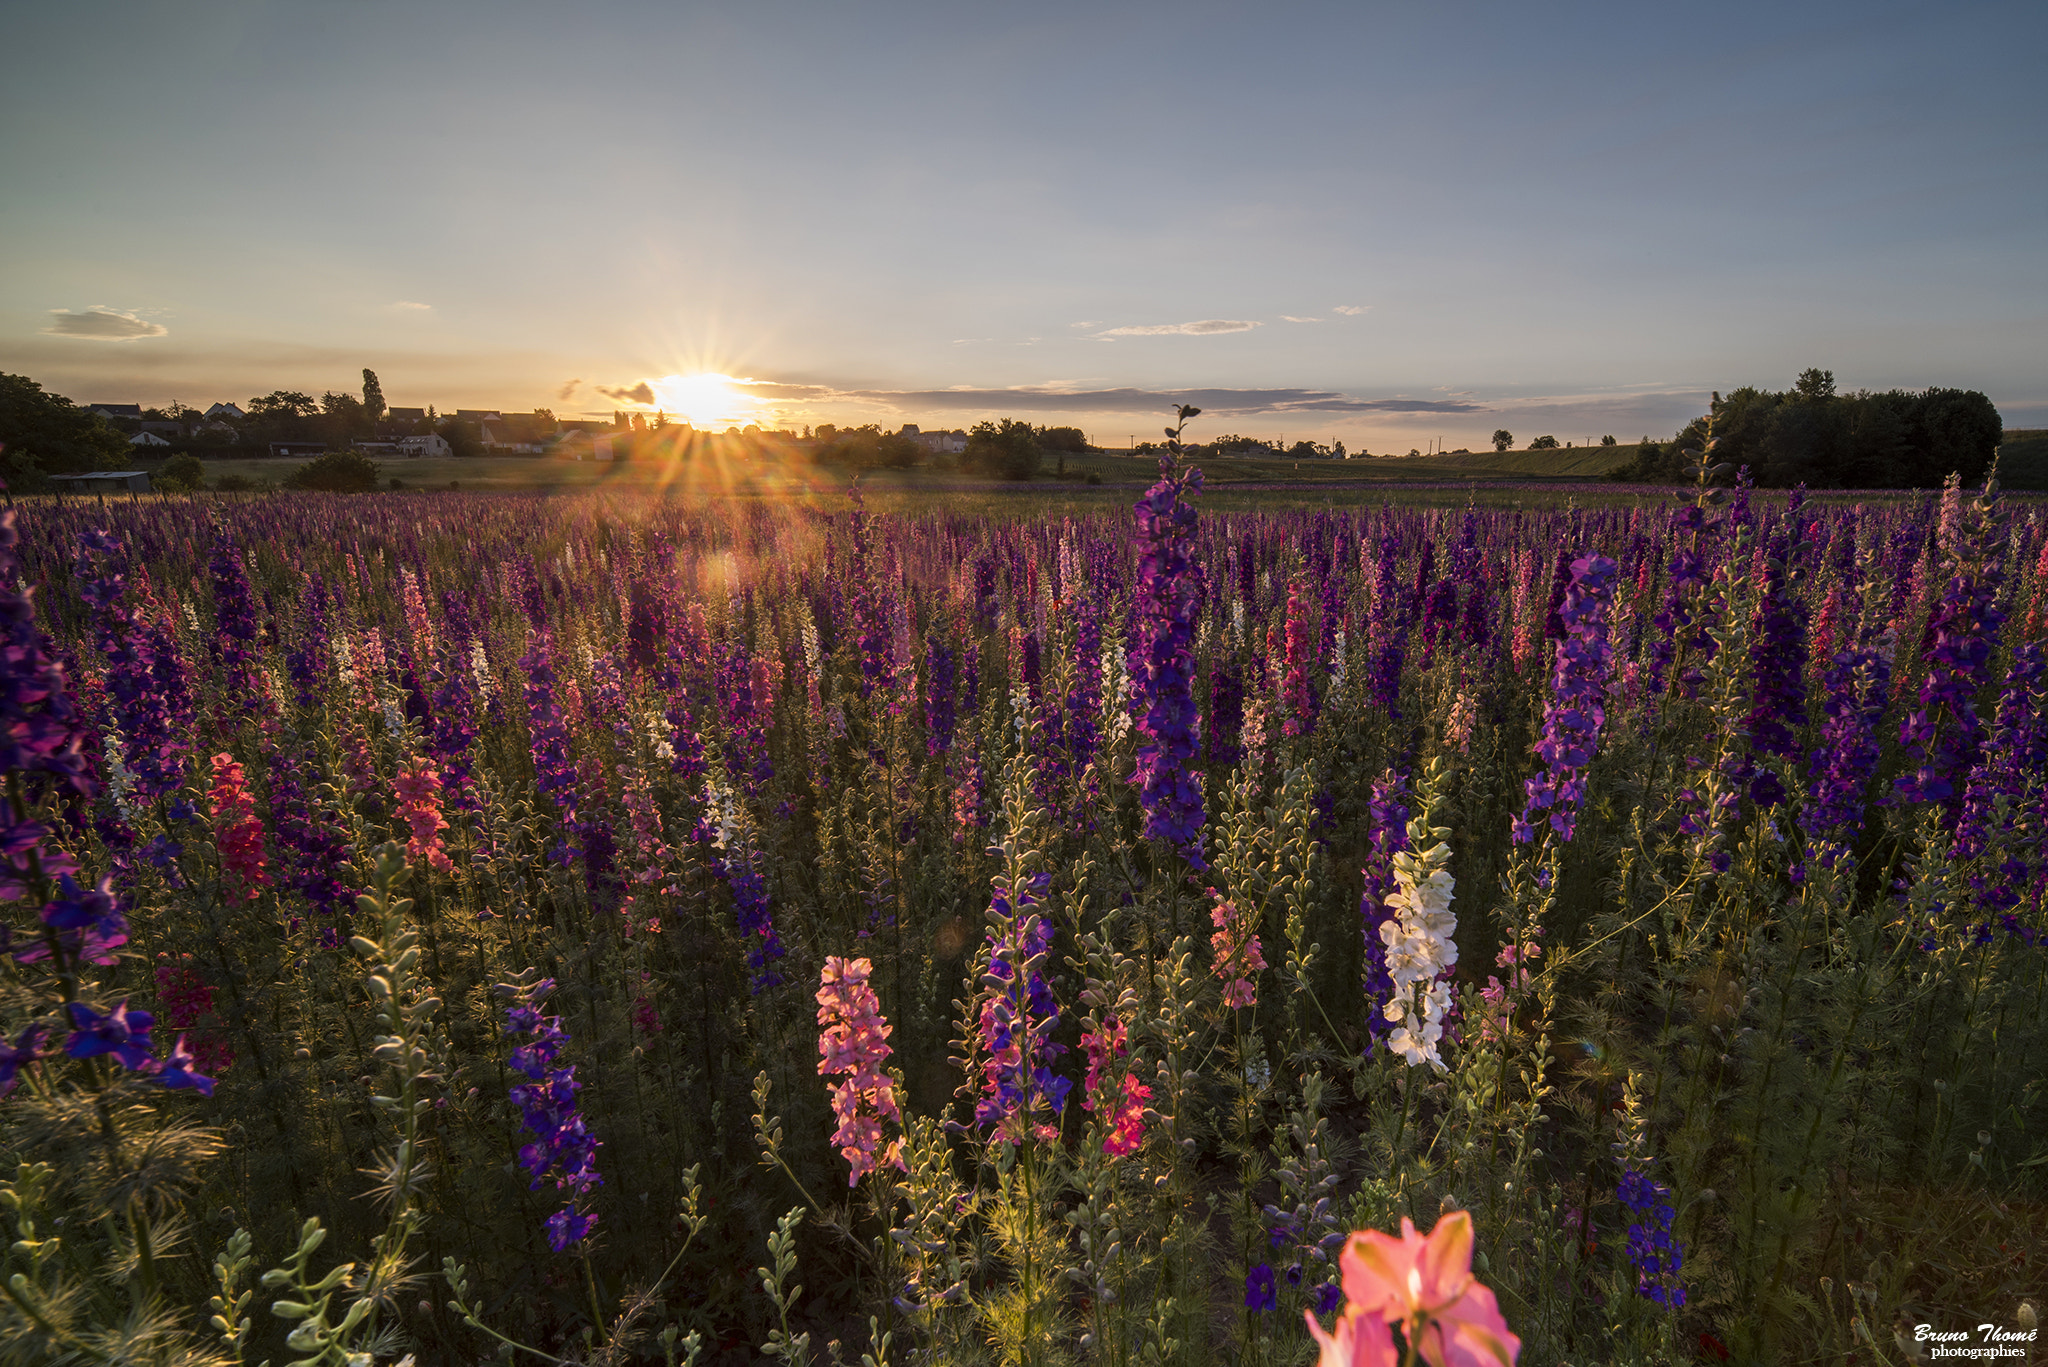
{"type": "Point", "coordinates": [1206, 327]}
{"type": "Point", "coordinates": [412, 306]}
{"type": "Point", "coordinates": [568, 391]}
{"type": "Point", "coordinates": [102, 324]}
{"type": "Point", "coordinates": [1351, 310]}
{"type": "Point", "coordinates": [1092, 324]}
{"type": "Point", "coordinates": [1288, 317]}
{"type": "Point", "coordinates": [641, 393]}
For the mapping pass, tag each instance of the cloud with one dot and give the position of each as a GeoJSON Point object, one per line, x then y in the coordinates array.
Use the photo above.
{"type": "Point", "coordinates": [1351, 310]}
{"type": "Point", "coordinates": [642, 393]}
{"type": "Point", "coordinates": [568, 391]}
{"type": "Point", "coordinates": [1153, 401]}
{"type": "Point", "coordinates": [1092, 324]}
{"type": "Point", "coordinates": [1207, 327]}
{"type": "Point", "coordinates": [413, 306]}
{"type": "Point", "coordinates": [1292, 319]}
{"type": "Point", "coordinates": [103, 324]}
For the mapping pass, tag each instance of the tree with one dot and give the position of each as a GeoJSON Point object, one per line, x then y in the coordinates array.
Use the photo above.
{"type": "Point", "coordinates": [1544, 443]}
{"type": "Point", "coordinates": [1005, 450]}
{"type": "Point", "coordinates": [1337, 451]}
{"type": "Point", "coordinates": [283, 403]}
{"type": "Point", "coordinates": [337, 472]}
{"type": "Point", "coordinates": [344, 418]}
{"type": "Point", "coordinates": [1607, 440]}
{"type": "Point", "coordinates": [1071, 439]}
{"type": "Point", "coordinates": [180, 474]}
{"type": "Point", "coordinates": [47, 434]}
{"type": "Point", "coordinates": [1502, 439]}
{"type": "Point", "coordinates": [373, 396]}
{"type": "Point", "coordinates": [1814, 386]}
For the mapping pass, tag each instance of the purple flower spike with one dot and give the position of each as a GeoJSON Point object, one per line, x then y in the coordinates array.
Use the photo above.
{"type": "Point", "coordinates": [26, 1049]}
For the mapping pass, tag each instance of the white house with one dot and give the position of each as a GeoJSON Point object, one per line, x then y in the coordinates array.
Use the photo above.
{"type": "Point", "coordinates": [147, 439]}
{"type": "Point", "coordinates": [232, 412]}
{"type": "Point", "coordinates": [415, 447]}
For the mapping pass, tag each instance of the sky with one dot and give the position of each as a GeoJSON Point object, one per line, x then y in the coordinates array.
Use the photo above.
{"type": "Point", "coordinates": [1397, 225]}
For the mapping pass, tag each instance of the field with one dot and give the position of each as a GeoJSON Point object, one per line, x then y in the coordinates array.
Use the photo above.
{"type": "Point", "coordinates": [716, 918]}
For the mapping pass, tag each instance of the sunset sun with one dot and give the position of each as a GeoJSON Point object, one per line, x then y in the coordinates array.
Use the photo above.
{"type": "Point", "coordinates": [706, 400]}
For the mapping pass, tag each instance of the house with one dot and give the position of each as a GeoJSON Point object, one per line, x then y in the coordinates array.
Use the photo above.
{"type": "Point", "coordinates": [937, 443]}
{"type": "Point", "coordinates": [411, 417]}
{"type": "Point", "coordinates": [415, 447]}
{"type": "Point", "coordinates": [476, 416]}
{"type": "Point", "coordinates": [226, 411]}
{"type": "Point", "coordinates": [130, 411]}
{"type": "Point", "coordinates": [298, 449]}
{"type": "Point", "coordinates": [524, 433]}
{"type": "Point", "coordinates": [165, 428]}
{"type": "Point", "coordinates": [147, 438]}
{"type": "Point", "coordinates": [103, 482]}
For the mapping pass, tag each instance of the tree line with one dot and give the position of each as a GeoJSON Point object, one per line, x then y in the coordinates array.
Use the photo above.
{"type": "Point", "coordinates": [1809, 434]}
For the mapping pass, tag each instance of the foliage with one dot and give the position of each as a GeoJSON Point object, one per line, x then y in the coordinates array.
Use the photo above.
{"type": "Point", "coordinates": [1005, 449]}
{"type": "Point", "coordinates": [1502, 439]}
{"type": "Point", "coordinates": [336, 472]}
{"type": "Point", "coordinates": [45, 434]}
{"type": "Point", "coordinates": [182, 473]}
{"type": "Point", "coordinates": [1544, 443]}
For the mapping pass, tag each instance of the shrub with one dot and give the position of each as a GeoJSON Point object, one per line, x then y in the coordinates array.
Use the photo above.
{"type": "Point", "coordinates": [337, 472]}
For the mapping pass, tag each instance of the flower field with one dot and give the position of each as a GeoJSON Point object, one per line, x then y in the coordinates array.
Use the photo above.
{"type": "Point", "coordinates": [612, 929]}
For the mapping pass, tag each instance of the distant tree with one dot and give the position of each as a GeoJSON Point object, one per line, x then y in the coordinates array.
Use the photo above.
{"type": "Point", "coordinates": [284, 403]}
{"type": "Point", "coordinates": [1337, 451]}
{"type": "Point", "coordinates": [47, 434]}
{"type": "Point", "coordinates": [1414, 450]}
{"type": "Point", "coordinates": [1308, 450]}
{"type": "Point", "coordinates": [894, 451]}
{"type": "Point", "coordinates": [344, 418]}
{"type": "Point", "coordinates": [1607, 441]}
{"type": "Point", "coordinates": [1006, 450]}
{"type": "Point", "coordinates": [337, 472]}
{"type": "Point", "coordinates": [1231, 444]}
{"type": "Point", "coordinates": [1064, 439]}
{"type": "Point", "coordinates": [1544, 443]}
{"type": "Point", "coordinates": [182, 473]}
{"type": "Point", "coordinates": [1502, 439]}
{"type": "Point", "coordinates": [462, 437]}
{"type": "Point", "coordinates": [1813, 386]}
{"type": "Point", "coordinates": [373, 396]}
{"type": "Point", "coordinates": [545, 417]}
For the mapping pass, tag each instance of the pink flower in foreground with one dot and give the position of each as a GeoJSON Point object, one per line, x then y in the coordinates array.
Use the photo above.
{"type": "Point", "coordinates": [1122, 1104]}
{"type": "Point", "coordinates": [1425, 1285]}
{"type": "Point", "coordinates": [855, 1041]}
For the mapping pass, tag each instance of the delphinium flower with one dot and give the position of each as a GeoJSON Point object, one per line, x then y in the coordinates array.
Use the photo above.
{"type": "Point", "coordinates": [1420, 948]}
{"type": "Point", "coordinates": [1084, 693]}
{"type": "Point", "coordinates": [311, 833]}
{"type": "Point", "coordinates": [1237, 957]}
{"type": "Point", "coordinates": [1423, 1286]}
{"type": "Point", "coordinates": [747, 713]}
{"type": "Point", "coordinates": [237, 833]}
{"type": "Point", "coordinates": [1389, 836]}
{"type": "Point", "coordinates": [451, 736]}
{"type": "Point", "coordinates": [149, 751]}
{"type": "Point", "coordinates": [554, 772]}
{"type": "Point", "coordinates": [1260, 1295]}
{"type": "Point", "coordinates": [1297, 689]}
{"type": "Point", "coordinates": [40, 737]}
{"type": "Point", "coordinates": [1121, 1103]}
{"type": "Point", "coordinates": [1500, 996]}
{"type": "Point", "coordinates": [1653, 1251]}
{"type": "Point", "coordinates": [185, 998]}
{"type": "Point", "coordinates": [1944, 733]}
{"type": "Point", "coordinates": [122, 1033]}
{"type": "Point", "coordinates": [1165, 605]}
{"type": "Point", "coordinates": [1384, 635]}
{"type": "Point", "coordinates": [1575, 714]}
{"type": "Point", "coordinates": [236, 630]}
{"type": "Point", "coordinates": [1226, 713]}
{"type": "Point", "coordinates": [1020, 1093]}
{"type": "Point", "coordinates": [26, 1048]}
{"type": "Point", "coordinates": [870, 613]}
{"type": "Point", "coordinates": [563, 1147]}
{"type": "Point", "coordinates": [2014, 758]}
{"type": "Point", "coordinates": [83, 923]}
{"type": "Point", "coordinates": [1854, 691]}
{"type": "Point", "coordinates": [419, 806]}
{"type": "Point", "coordinates": [728, 830]}
{"type": "Point", "coordinates": [1778, 660]}
{"type": "Point", "coordinates": [855, 1042]}
{"type": "Point", "coordinates": [938, 706]}
{"type": "Point", "coordinates": [178, 1070]}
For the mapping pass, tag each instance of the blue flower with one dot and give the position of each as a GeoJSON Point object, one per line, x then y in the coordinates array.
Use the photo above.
{"type": "Point", "coordinates": [1259, 1292]}
{"type": "Point", "coordinates": [121, 1032]}
{"type": "Point", "coordinates": [26, 1049]}
{"type": "Point", "coordinates": [177, 1071]}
